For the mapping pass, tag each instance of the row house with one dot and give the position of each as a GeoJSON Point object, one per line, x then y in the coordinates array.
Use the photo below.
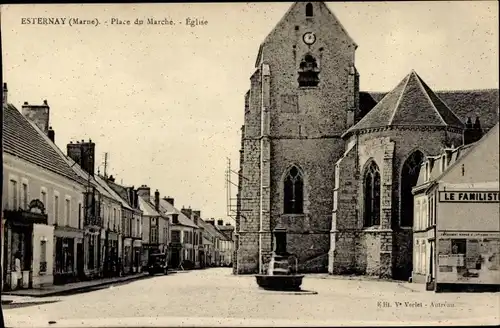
{"type": "Point", "coordinates": [207, 244]}
{"type": "Point", "coordinates": [216, 238]}
{"type": "Point", "coordinates": [181, 250]}
{"type": "Point", "coordinates": [155, 225]}
{"type": "Point", "coordinates": [456, 232]}
{"type": "Point", "coordinates": [132, 226]}
{"type": "Point", "coordinates": [42, 200]}
{"type": "Point", "coordinates": [227, 243]}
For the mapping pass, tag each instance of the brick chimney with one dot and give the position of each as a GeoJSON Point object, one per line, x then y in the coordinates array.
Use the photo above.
{"type": "Point", "coordinates": [170, 200]}
{"type": "Point", "coordinates": [220, 222]}
{"type": "Point", "coordinates": [38, 114]}
{"type": "Point", "coordinates": [144, 192]}
{"type": "Point", "coordinates": [51, 134]}
{"type": "Point", "coordinates": [111, 178]}
{"type": "Point", "coordinates": [5, 94]}
{"type": "Point", "coordinates": [157, 200]}
{"type": "Point", "coordinates": [196, 216]}
{"type": "Point", "coordinates": [211, 221]}
{"type": "Point", "coordinates": [187, 212]}
{"type": "Point", "coordinates": [83, 153]}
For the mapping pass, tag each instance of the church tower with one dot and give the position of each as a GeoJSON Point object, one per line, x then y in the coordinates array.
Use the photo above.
{"type": "Point", "coordinates": [303, 96]}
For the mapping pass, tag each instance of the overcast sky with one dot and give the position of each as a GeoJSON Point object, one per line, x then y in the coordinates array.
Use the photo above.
{"type": "Point", "coordinates": [167, 102]}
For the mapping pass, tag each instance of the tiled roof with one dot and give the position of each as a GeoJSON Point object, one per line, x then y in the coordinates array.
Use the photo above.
{"type": "Point", "coordinates": [167, 209]}
{"type": "Point", "coordinates": [411, 103]}
{"type": "Point", "coordinates": [23, 139]}
{"type": "Point", "coordinates": [464, 103]}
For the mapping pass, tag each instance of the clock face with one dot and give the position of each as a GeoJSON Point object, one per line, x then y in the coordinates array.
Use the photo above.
{"type": "Point", "coordinates": [309, 38]}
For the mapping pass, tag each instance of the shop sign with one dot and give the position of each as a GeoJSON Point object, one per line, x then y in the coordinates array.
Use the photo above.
{"type": "Point", "coordinates": [468, 196]}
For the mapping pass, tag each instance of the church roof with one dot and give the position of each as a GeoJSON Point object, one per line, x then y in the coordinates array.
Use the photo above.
{"type": "Point", "coordinates": [25, 140]}
{"type": "Point", "coordinates": [464, 103]}
{"type": "Point", "coordinates": [410, 103]}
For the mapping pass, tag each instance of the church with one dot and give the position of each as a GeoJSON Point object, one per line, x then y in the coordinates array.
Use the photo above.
{"type": "Point", "coordinates": [334, 165]}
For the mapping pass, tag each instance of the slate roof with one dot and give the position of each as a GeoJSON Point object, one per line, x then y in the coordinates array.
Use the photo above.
{"type": "Point", "coordinates": [26, 141]}
{"type": "Point", "coordinates": [213, 230]}
{"type": "Point", "coordinates": [410, 103]}
{"type": "Point", "coordinates": [102, 182]}
{"type": "Point", "coordinates": [168, 209]}
{"type": "Point", "coordinates": [464, 103]}
{"type": "Point", "coordinates": [147, 208]}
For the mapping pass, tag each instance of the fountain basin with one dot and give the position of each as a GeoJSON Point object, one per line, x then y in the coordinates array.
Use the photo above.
{"type": "Point", "coordinates": [280, 282]}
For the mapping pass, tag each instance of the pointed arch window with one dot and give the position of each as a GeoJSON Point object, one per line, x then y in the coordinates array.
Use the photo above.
{"type": "Point", "coordinates": [409, 177]}
{"type": "Point", "coordinates": [372, 195]}
{"type": "Point", "coordinates": [294, 192]}
{"type": "Point", "coordinates": [309, 10]}
{"type": "Point", "coordinates": [308, 72]}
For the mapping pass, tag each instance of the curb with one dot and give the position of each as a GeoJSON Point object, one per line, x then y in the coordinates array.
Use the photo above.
{"type": "Point", "coordinates": [76, 290]}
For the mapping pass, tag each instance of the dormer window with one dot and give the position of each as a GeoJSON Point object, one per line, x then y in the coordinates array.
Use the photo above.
{"type": "Point", "coordinates": [309, 10]}
{"type": "Point", "coordinates": [308, 72]}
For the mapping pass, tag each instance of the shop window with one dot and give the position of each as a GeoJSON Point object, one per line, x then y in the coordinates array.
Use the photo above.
{"type": "Point", "coordinates": [43, 256]}
{"type": "Point", "coordinates": [372, 195]}
{"type": "Point", "coordinates": [294, 192]}
{"type": "Point", "coordinates": [458, 246]}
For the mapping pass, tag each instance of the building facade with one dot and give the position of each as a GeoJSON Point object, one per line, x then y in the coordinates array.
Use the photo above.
{"type": "Point", "coordinates": [155, 226]}
{"type": "Point", "coordinates": [457, 231]}
{"type": "Point", "coordinates": [41, 197]}
{"type": "Point", "coordinates": [309, 133]}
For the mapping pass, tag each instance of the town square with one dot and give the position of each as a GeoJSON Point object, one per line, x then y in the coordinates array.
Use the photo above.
{"type": "Point", "coordinates": [250, 164]}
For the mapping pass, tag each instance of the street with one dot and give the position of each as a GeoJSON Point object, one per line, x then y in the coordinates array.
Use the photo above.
{"type": "Point", "coordinates": [197, 297]}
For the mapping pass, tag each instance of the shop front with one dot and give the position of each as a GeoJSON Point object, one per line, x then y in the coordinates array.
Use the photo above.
{"type": "Point", "coordinates": [467, 242]}
{"type": "Point", "coordinates": [111, 267]}
{"type": "Point", "coordinates": [20, 226]}
{"type": "Point", "coordinates": [66, 240]}
{"type": "Point", "coordinates": [92, 251]}
{"type": "Point", "coordinates": [127, 255]}
{"type": "Point", "coordinates": [136, 257]}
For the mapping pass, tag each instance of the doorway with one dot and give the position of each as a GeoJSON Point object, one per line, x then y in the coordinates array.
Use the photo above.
{"type": "Point", "coordinates": [80, 261]}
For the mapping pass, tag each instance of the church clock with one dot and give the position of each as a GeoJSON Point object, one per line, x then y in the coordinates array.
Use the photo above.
{"type": "Point", "coordinates": [309, 38]}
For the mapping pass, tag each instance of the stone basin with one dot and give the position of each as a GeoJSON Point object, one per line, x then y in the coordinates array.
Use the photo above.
{"type": "Point", "coordinates": [280, 282]}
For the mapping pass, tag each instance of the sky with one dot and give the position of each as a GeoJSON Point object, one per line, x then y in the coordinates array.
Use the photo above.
{"type": "Point", "coordinates": [167, 102]}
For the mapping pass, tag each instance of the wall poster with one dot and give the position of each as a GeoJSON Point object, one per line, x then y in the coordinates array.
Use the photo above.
{"type": "Point", "coordinates": [468, 258]}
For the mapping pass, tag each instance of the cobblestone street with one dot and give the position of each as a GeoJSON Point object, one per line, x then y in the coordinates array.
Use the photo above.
{"type": "Point", "coordinates": [215, 297]}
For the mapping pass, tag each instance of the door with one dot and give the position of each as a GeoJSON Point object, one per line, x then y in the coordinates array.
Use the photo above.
{"type": "Point", "coordinates": [79, 260]}
{"type": "Point", "coordinates": [175, 258]}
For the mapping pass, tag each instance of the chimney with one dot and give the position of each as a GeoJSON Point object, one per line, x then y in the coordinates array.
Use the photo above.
{"type": "Point", "coordinates": [478, 131]}
{"type": "Point", "coordinates": [144, 192]}
{"type": "Point", "coordinates": [196, 216]}
{"type": "Point", "coordinates": [468, 132]}
{"type": "Point", "coordinates": [169, 200]}
{"type": "Point", "coordinates": [5, 94]}
{"type": "Point", "coordinates": [111, 178]}
{"type": "Point", "coordinates": [38, 114]}
{"type": "Point", "coordinates": [211, 221]}
{"type": "Point", "coordinates": [51, 134]}
{"type": "Point", "coordinates": [220, 222]}
{"type": "Point", "coordinates": [83, 153]}
{"type": "Point", "coordinates": [187, 212]}
{"type": "Point", "coordinates": [157, 200]}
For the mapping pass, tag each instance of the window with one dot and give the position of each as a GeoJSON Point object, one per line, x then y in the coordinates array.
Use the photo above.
{"type": "Point", "coordinates": [431, 211]}
{"type": "Point", "coordinates": [176, 236]}
{"type": "Point", "coordinates": [114, 218]}
{"type": "Point", "coordinates": [175, 219]}
{"type": "Point", "coordinates": [25, 196]}
{"type": "Point", "coordinates": [154, 234]}
{"type": "Point", "coordinates": [293, 192]}
{"type": "Point", "coordinates": [56, 209]}
{"type": "Point", "coordinates": [43, 256]}
{"type": "Point", "coordinates": [417, 215]}
{"type": "Point", "coordinates": [424, 218]}
{"type": "Point", "coordinates": [13, 195]}
{"type": "Point", "coordinates": [309, 10]}
{"type": "Point", "coordinates": [67, 210]}
{"type": "Point", "coordinates": [372, 195]}
{"type": "Point", "coordinates": [409, 176]}
{"type": "Point", "coordinates": [43, 196]}
{"type": "Point", "coordinates": [79, 215]}
{"type": "Point", "coordinates": [308, 72]}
